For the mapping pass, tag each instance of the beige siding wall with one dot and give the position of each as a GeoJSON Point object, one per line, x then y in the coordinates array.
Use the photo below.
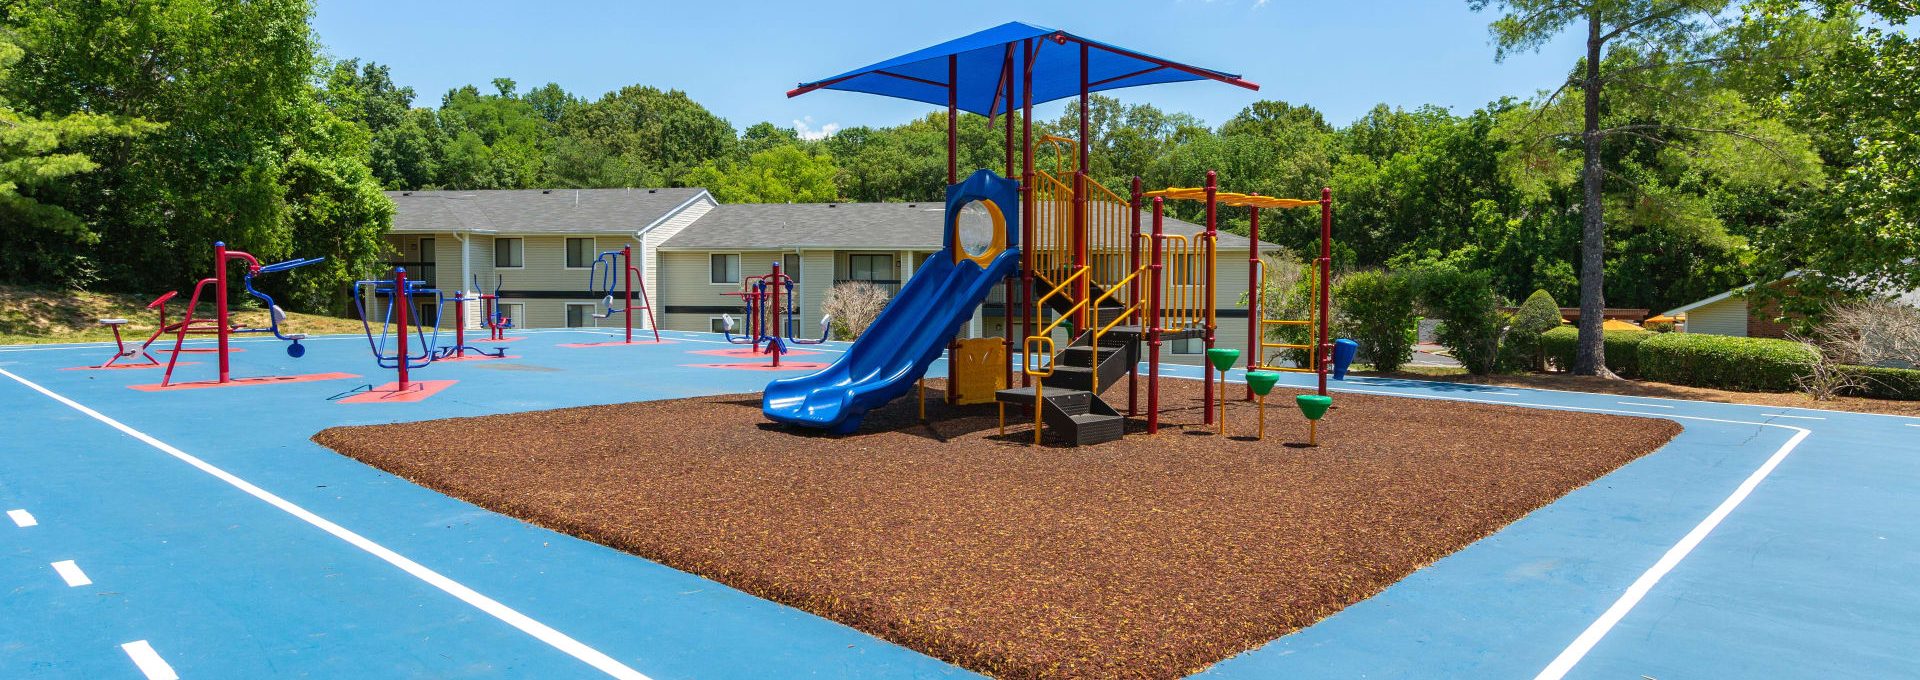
{"type": "Point", "coordinates": [687, 283]}
{"type": "Point", "coordinates": [1726, 317]}
{"type": "Point", "coordinates": [650, 244]}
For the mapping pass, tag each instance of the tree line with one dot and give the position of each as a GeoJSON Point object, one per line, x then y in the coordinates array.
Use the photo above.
{"type": "Point", "coordinates": [1711, 145]}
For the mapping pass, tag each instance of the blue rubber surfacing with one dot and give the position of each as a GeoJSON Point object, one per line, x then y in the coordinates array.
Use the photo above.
{"type": "Point", "coordinates": [1807, 577]}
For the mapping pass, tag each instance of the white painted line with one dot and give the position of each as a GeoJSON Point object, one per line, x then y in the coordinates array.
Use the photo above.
{"type": "Point", "coordinates": [1635, 403]}
{"type": "Point", "coordinates": [71, 573]}
{"type": "Point", "coordinates": [22, 518]}
{"type": "Point", "coordinates": [1783, 415]}
{"type": "Point", "coordinates": [1913, 424]}
{"type": "Point", "coordinates": [1638, 590]}
{"type": "Point", "coordinates": [494, 608]}
{"type": "Point", "coordinates": [149, 661]}
{"type": "Point", "coordinates": [1503, 394]}
{"type": "Point", "coordinates": [1591, 636]}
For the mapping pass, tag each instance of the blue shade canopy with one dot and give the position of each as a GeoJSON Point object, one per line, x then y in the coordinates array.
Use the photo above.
{"type": "Point", "coordinates": [984, 61]}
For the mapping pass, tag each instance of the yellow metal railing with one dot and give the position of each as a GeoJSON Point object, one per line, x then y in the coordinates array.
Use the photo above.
{"type": "Point", "coordinates": [1259, 361]}
{"type": "Point", "coordinates": [1041, 344]}
{"type": "Point", "coordinates": [1127, 312]}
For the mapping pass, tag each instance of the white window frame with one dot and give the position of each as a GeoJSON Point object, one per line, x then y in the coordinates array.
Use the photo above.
{"type": "Point", "coordinates": [585, 318]}
{"type": "Point", "coordinates": [593, 250]}
{"type": "Point", "coordinates": [739, 267]}
{"type": "Point", "coordinates": [496, 252]}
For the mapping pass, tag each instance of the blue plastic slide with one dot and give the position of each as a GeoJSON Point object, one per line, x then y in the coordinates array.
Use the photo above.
{"type": "Point", "coordinates": [914, 328]}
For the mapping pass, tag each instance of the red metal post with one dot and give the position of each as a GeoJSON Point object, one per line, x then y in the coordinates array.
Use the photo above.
{"type": "Point", "coordinates": [776, 345]}
{"type": "Point", "coordinates": [953, 177]}
{"type": "Point", "coordinates": [1206, 285]}
{"type": "Point", "coordinates": [953, 118]}
{"type": "Point", "coordinates": [1133, 292]}
{"type": "Point", "coordinates": [460, 328]}
{"type": "Point", "coordinates": [1153, 331]}
{"type": "Point", "coordinates": [1080, 201]}
{"type": "Point", "coordinates": [1326, 285]}
{"type": "Point", "coordinates": [1006, 290]}
{"type": "Point", "coordinates": [1254, 326]}
{"type": "Point", "coordinates": [626, 267]}
{"type": "Point", "coordinates": [403, 301]}
{"type": "Point", "coordinates": [219, 304]}
{"type": "Point", "coordinates": [1028, 233]}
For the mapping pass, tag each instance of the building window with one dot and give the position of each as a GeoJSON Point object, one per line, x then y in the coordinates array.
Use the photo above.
{"type": "Point", "coordinates": [717, 324]}
{"type": "Point", "coordinates": [426, 315]}
{"type": "Point", "coordinates": [723, 268]}
{"type": "Point", "coordinates": [870, 267]}
{"type": "Point", "coordinates": [1188, 346]}
{"type": "Point", "coordinates": [579, 314]}
{"type": "Point", "coordinates": [580, 253]}
{"type": "Point", "coordinates": [515, 313]}
{"type": "Point", "coordinates": [508, 253]}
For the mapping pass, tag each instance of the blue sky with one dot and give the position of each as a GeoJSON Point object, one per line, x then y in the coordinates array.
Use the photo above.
{"type": "Point", "coordinates": [739, 58]}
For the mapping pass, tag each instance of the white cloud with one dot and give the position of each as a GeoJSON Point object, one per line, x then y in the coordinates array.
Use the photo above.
{"type": "Point", "coordinates": [807, 131]}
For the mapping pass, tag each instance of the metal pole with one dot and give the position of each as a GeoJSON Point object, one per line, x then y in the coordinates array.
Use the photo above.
{"type": "Point", "coordinates": [1133, 294]}
{"type": "Point", "coordinates": [219, 304]}
{"type": "Point", "coordinates": [460, 328]}
{"type": "Point", "coordinates": [1080, 200]}
{"type": "Point", "coordinates": [1007, 287]}
{"type": "Point", "coordinates": [953, 177]}
{"type": "Point", "coordinates": [1206, 273]}
{"type": "Point", "coordinates": [1028, 233]}
{"type": "Point", "coordinates": [1255, 327]}
{"type": "Point", "coordinates": [775, 345]}
{"type": "Point", "coordinates": [1153, 331]}
{"type": "Point", "coordinates": [626, 266]}
{"type": "Point", "coordinates": [403, 301]}
{"type": "Point", "coordinates": [1326, 285]}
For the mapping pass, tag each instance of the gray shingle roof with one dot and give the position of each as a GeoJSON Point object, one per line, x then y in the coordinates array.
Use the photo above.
{"type": "Point", "coordinates": [881, 226]}
{"type": "Point", "coordinates": [535, 211]}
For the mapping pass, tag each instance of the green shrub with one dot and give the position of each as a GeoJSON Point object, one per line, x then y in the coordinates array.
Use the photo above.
{"type": "Point", "coordinates": [1376, 309]}
{"type": "Point", "coordinates": [1723, 362]}
{"type": "Point", "coordinates": [1623, 349]}
{"type": "Point", "coordinates": [1469, 312]}
{"type": "Point", "coordinates": [1884, 383]}
{"type": "Point", "coordinates": [1521, 349]}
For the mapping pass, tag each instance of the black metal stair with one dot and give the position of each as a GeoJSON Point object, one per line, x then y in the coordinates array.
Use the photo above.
{"type": "Point", "coordinates": [1070, 407]}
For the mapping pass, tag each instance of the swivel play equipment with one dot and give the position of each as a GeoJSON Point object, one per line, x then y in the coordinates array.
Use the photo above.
{"type": "Point", "coordinates": [602, 278]}
{"type": "Point", "coordinates": [222, 326]}
{"type": "Point", "coordinates": [769, 320]}
{"type": "Point", "coordinates": [460, 347]}
{"type": "Point", "coordinates": [1067, 244]}
{"type": "Point", "coordinates": [496, 321]}
{"type": "Point", "coordinates": [413, 347]}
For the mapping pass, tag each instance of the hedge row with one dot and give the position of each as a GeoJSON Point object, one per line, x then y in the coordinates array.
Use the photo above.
{"type": "Point", "coordinates": [1725, 362]}
{"type": "Point", "coordinates": [1885, 383]}
{"type": "Point", "coordinates": [1623, 349]}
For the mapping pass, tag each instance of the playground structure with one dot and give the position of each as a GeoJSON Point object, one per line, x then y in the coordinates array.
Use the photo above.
{"type": "Point", "coordinates": [222, 326]}
{"type": "Point", "coordinates": [770, 320]}
{"type": "Point", "coordinates": [1069, 246]}
{"type": "Point", "coordinates": [601, 277]}
{"type": "Point", "coordinates": [413, 349]}
{"type": "Point", "coordinates": [496, 321]}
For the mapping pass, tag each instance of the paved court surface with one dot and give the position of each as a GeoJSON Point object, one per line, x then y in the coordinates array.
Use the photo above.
{"type": "Point", "coordinates": [199, 533]}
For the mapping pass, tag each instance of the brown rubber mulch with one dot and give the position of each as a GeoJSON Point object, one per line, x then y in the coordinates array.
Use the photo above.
{"type": "Point", "coordinates": [1151, 557]}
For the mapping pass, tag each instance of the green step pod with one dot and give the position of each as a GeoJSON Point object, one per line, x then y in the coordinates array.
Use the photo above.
{"type": "Point", "coordinates": [1313, 406]}
{"type": "Point", "coordinates": [1223, 358]}
{"type": "Point", "coordinates": [1262, 382]}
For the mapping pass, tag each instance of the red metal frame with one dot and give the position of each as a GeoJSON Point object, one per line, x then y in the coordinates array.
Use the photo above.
{"type": "Point", "coordinates": [1206, 276]}
{"type": "Point", "coordinates": [222, 323]}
